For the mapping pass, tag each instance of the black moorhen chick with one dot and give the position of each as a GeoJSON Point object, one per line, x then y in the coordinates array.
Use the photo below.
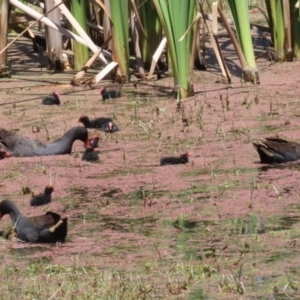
{"type": "Point", "coordinates": [90, 155]}
{"type": "Point", "coordinates": [3, 154]}
{"type": "Point", "coordinates": [182, 159]}
{"type": "Point", "coordinates": [276, 150]}
{"type": "Point", "coordinates": [111, 94]}
{"type": "Point", "coordinates": [52, 99]}
{"type": "Point", "coordinates": [20, 146]}
{"type": "Point", "coordinates": [42, 199]}
{"type": "Point", "coordinates": [48, 228]}
{"type": "Point", "coordinates": [104, 124]}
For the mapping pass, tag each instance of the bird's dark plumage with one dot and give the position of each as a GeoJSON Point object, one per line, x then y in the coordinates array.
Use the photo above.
{"type": "Point", "coordinates": [276, 150]}
{"type": "Point", "coordinates": [20, 146]}
{"type": "Point", "coordinates": [109, 94]}
{"type": "Point", "coordinates": [104, 124]}
{"type": "Point", "coordinates": [48, 228]}
{"type": "Point", "coordinates": [182, 159]}
{"type": "Point", "coordinates": [52, 99]}
{"type": "Point", "coordinates": [90, 155]}
{"type": "Point", "coordinates": [44, 198]}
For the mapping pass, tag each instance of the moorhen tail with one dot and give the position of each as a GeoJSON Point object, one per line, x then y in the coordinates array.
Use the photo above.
{"type": "Point", "coordinates": [182, 159]}
{"type": "Point", "coordinates": [20, 146]}
{"type": "Point", "coordinates": [90, 155]}
{"type": "Point", "coordinates": [109, 94]}
{"type": "Point", "coordinates": [52, 99]}
{"type": "Point", "coordinates": [48, 228]}
{"type": "Point", "coordinates": [3, 154]}
{"type": "Point", "coordinates": [42, 199]}
{"type": "Point", "coordinates": [276, 150]}
{"type": "Point", "coordinates": [104, 124]}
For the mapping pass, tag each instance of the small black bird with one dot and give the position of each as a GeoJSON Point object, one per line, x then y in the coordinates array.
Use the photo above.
{"type": "Point", "coordinates": [52, 99]}
{"type": "Point", "coordinates": [111, 94]}
{"type": "Point", "coordinates": [90, 155]}
{"type": "Point", "coordinates": [104, 124]}
{"type": "Point", "coordinates": [42, 199]}
{"type": "Point", "coordinates": [182, 159]}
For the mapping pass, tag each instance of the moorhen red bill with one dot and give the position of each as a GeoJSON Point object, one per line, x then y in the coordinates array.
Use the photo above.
{"type": "Point", "coordinates": [90, 155]}
{"type": "Point", "coordinates": [109, 94]}
{"type": "Point", "coordinates": [3, 154]}
{"type": "Point", "coordinates": [48, 228]}
{"type": "Point", "coordinates": [102, 123]}
{"type": "Point", "coordinates": [182, 159]}
{"type": "Point", "coordinates": [276, 150]}
{"type": "Point", "coordinates": [19, 146]}
{"type": "Point", "coordinates": [44, 198]}
{"type": "Point", "coordinates": [52, 99]}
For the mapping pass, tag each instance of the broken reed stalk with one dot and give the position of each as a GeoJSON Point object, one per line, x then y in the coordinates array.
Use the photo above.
{"type": "Point", "coordinates": [80, 74]}
{"type": "Point", "coordinates": [47, 132]}
{"type": "Point", "coordinates": [26, 29]}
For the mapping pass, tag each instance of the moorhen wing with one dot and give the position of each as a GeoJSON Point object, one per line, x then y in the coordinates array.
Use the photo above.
{"type": "Point", "coordinates": [90, 155]}
{"type": "Point", "coordinates": [182, 159]}
{"type": "Point", "coordinates": [276, 150]}
{"type": "Point", "coordinates": [109, 94]}
{"type": "Point", "coordinates": [52, 99]}
{"type": "Point", "coordinates": [102, 123]}
{"type": "Point", "coordinates": [48, 228]}
{"type": "Point", "coordinates": [44, 198]}
{"type": "Point", "coordinates": [17, 145]}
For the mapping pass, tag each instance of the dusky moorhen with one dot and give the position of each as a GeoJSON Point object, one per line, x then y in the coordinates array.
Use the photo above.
{"type": "Point", "coordinates": [182, 159]}
{"type": "Point", "coordinates": [276, 150]}
{"type": "Point", "coordinates": [42, 199]}
{"type": "Point", "coordinates": [109, 94]}
{"type": "Point", "coordinates": [48, 228]}
{"type": "Point", "coordinates": [102, 123]}
{"type": "Point", "coordinates": [52, 99]}
{"type": "Point", "coordinates": [90, 155]}
{"type": "Point", "coordinates": [17, 145]}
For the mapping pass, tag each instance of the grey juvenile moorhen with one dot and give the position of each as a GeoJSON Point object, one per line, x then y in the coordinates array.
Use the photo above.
{"type": "Point", "coordinates": [109, 94]}
{"type": "Point", "coordinates": [182, 159]}
{"type": "Point", "coordinates": [52, 99]}
{"type": "Point", "coordinates": [276, 150]}
{"type": "Point", "coordinates": [104, 124]}
{"type": "Point", "coordinates": [90, 155]}
{"type": "Point", "coordinates": [48, 228]}
{"type": "Point", "coordinates": [44, 198]}
{"type": "Point", "coordinates": [17, 145]}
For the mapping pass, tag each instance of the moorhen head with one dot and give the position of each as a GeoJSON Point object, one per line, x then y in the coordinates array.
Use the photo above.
{"type": "Point", "coordinates": [182, 159]}
{"type": "Point", "coordinates": [20, 146]}
{"type": "Point", "coordinates": [44, 198]}
{"type": "Point", "coordinates": [48, 228]}
{"type": "Point", "coordinates": [52, 99]}
{"type": "Point", "coordinates": [94, 142]}
{"type": "Point", "coordinates": [90, 155]}
{"type": "Point", "coordinates": [276, 150]}
{"type": "Point", "coordinates": [4, 154]}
